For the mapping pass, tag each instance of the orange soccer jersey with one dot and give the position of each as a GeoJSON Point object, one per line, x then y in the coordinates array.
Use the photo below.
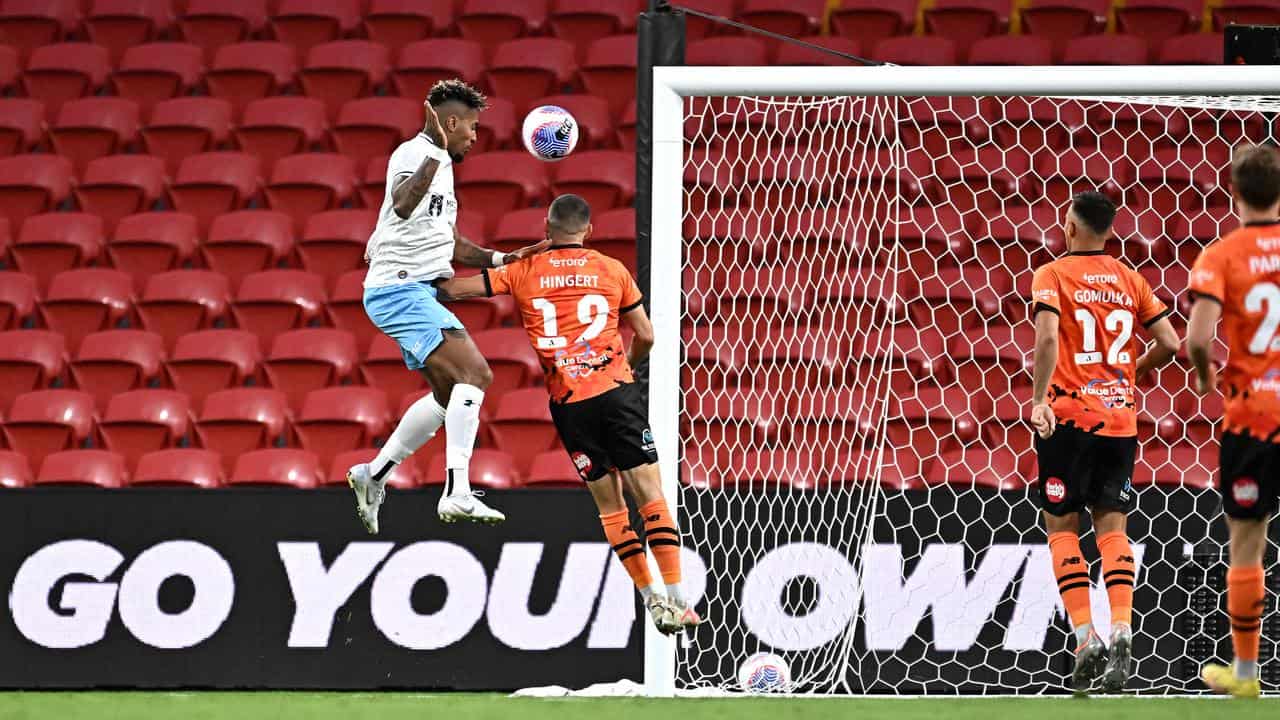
{"type": "Point", "coordinates": [570, 299]}
{"type": "Point", "coordinates": [1242, 273]}
{"type": "Point", "coordinates": [1098, 299]}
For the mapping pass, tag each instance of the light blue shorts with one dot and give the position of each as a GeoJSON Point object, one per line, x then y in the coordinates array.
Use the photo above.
{"type": "Point", "coordinates": [412, 316]}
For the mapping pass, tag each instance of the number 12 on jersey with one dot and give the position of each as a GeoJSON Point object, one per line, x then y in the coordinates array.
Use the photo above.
{"type": "Point", "coordinates": [1117, 321]}
{"type": "Point", "coordinates": [593, 311]}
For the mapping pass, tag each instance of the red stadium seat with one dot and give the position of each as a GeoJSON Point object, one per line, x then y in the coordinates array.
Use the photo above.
{"type": "Point", "coordinates": [82, 301]}
{"type": "Point", "coordinates": [213, 183]}
{"type": "Point", "coordinates": [552, 469]}
{"type": "Point", "coordinates": [519, 228]}
{"type": "Point", "coordinates": [501, 181]}
{"type": "Point", "coordinates": [240, 420]}
{"type": "Point", "coordinates": [490, 470]}
{"type": "Point", "coordinates": [121, 24]}
{"type": "Point", "coordinates": [376, 125]}
{"type": "Point", "coordinates": [305, 24]}
{"type": "Point", "coordinates": [181, 467]}
{"type": "Point", "coordinates": [65, 71]}
{"type": "Point", "coordinates": [786, 17]}
{"type": "Point", "coordinates": [50, 243]}
{"type": "Point", "coordinates": [337, 419]}
{"type": "Point", "coordinates": [727, 51]}
{"type": "Point", "coordinates": [733, 419]}
{"type": "Point", "coordinates": [21, 125]}
{"type": "Point", "coordinates": [186, 126]}
{"type": "Point", "coordinates": [529, 68]}
{"type": "Point", "coordinates": [404, 476]}
{"type": "Point", "coordinates": [421, 64]}
{"type": "Point", "coordinates": [17, 299]}
{"type": "Point", "coordinates": [1106, 50]}
{"type": "Point", "coordinates": [114, 361]}
{"type": "Point", "coordinates": [278, 466]}
{"type": "Point", "coordinates": [46, 421]}
{"type": "Point", "coordinates": [333, 241]}
{"type": "Point", "coordinates": [1064, 174]}
{"type": "Point", "coordinates": [302, 185]}
{"type": "Point", "coordinates": [383, 367]}
{"type": "Point", "coordinates": [604, 178]}
{"type": "Point", "coordinates": [119, 185]}
{"type": "Point", "coordinates": [89, 128]}
{"type": "Point", "coordinates": [1012, 50]}
{"type": "Point", "coordinates": [345, 308]}
{"type": "Point", "coordinates": [209, 360]}
{"type": "Point", "coordinates": [15, 470]}
{"type": "Point", "coordinates": [98, 468]}
{"type": "Point", "coordinates": [306, 360]}
{"type": "Point", "coordinates": [1177, 466]}
{"type": "Point", "coordinates": [916, 51]}
{"type": "Point", "coordinates": [954, 300]}
{"type": "Point", "coordinates": [789, 54]}
{"type": "Point", "coordinates": [822, 425]}
{"type": "Point", "coordinates": [143, 421]}
{"type": "Point", "coordinates": [396, 23]}
{"type": "Point", "coordinates": [154, 72]}
{"type": "Point", "coordinates": [29, 360]}
{"type": "Point", "coordinates": [512, 360]}
{"type": "Point", "coordinates": [31, 184]}
{"type": "Point", "coordinates": [997, 350]}
{"type": "Point", "coordinates": [1155, 21]}
{"type": "Point", "coordinates": [582, 21]}
{"type": "Point", "coordinates": [251, 70]}
{"type": "Point", "coordinates": [183, 301]}
{"type": "Point", "coordinates": [697, 27]}
{"type": "Point", "coordinates": [338, 72]}
{"type": "Point", "coordinates": [609, 71]}
{"type": "Point", "coordinates": [211, 24]}
{"type": "Point", "coordinates": [148, 243]}
{"type": "Point", "coordinates": [966, 21]}
{"type": "Point", "coordinates": [1058, 21]}
{"type": "Point", "coordinates": [490, 22]}
{"type": "Point", "coordinates": [870, 21]}
{"type": "Point", "coordinates": [29, 24]}
{"type": "Point", "coordinates": [274, 301]}
{"type": "Point", "coordinates": [278, 126]}
{"type": "Point", "coordinates": [247, 241]}
{"type": "Point", "coordinates": [1245, 12]}
{"type": "Point", "coordinates": [1192, 49]}
{"type": "Point", "coordinates": [373, 184]}
{"type": "Point", "coordinates": [614, 234]}
{"type": "Point", "coordinates": [522, 425]}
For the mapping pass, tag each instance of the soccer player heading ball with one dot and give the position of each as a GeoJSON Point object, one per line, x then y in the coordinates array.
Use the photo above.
{"type": "Point", "coordinates": [1237, 279]}
{"type": "Point", "coordinates": [412, 249]}
{"type": "Point", "coordinates": [1086, 305]}
{"type": "Point", "coordinates": [570, 301]}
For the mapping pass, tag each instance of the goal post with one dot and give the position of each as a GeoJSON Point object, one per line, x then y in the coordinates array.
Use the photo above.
{"type": "Point", "coordinates": [896, 565]}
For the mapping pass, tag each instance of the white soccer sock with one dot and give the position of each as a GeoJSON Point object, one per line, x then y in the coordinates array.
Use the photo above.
{"type": "Point", "coordinates": [461, 421]}
{"type": "Point", "coordinates": [1245, 669]}
{"type": "Point", "coordinates": [419, 424]}
{"type": "Point", "coordinates": [674, 594]}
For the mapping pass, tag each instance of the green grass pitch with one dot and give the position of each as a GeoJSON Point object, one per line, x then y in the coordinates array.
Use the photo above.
{"type": "Point", "coordinates": [476, 706]}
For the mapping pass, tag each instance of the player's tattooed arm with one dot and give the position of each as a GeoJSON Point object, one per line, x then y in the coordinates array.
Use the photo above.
{"type": "Point", "coordinates": [642, 342]}
{"type": "Point", "coordinates": [1200, 332]}
{"type": "Point", "coordinates": [409, 191]}
{"type": "Point", "coordinates": [1046, 359]}
{"type": "Point", "coordinates": [468, 253]}
{"type": "Point", "coordinates": [1161, 351]}
{"type": "Point", "coordinates": [462, 288]}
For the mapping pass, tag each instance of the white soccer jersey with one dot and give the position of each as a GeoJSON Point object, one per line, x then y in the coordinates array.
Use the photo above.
{"type": "Point", "coordinates": [420, 247]}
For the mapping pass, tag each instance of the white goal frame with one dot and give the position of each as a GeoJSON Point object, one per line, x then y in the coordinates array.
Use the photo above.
{"type": "Point", "coordinates": [671, 85]}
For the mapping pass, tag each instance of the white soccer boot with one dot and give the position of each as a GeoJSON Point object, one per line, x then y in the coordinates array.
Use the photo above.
{"type": "Point", "coordinates": [1119, 660]}
{"type": "Point", "coordinates": [1091, 660]}
{"type": "Point", "coordinates": [663, 614]}
{"type": "Point", "coordinates": [469, 507]}
{"type": "Point", "coordinates": [369, 495]}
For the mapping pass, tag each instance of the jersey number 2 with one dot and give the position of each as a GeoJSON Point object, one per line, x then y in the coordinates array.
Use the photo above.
{"type": "Point", "coordinates": [1117, 321]}
{"type": "Point", "coordinates": [1264, 340]}
{"type": "Point", "coordinates": [593, 311]}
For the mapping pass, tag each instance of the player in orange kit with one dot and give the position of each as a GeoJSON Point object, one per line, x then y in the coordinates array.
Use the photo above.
{"type": "Point", "coordinates": [571, 299]}
{"type": "Point", "coordinates": [1083, 410]}
{"type": "Point", "coordinates": [1237, 279]}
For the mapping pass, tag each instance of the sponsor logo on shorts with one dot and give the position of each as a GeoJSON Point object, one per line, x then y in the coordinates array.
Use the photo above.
{"type": "Point", "coordinates": [646, 439]}
{"type": "Point", "coordinates": [1245, 492]}
{"type": "Point", "coordinates": [1124, 491]}
{"type": "Point", "coordinates": [582, 462]}
{"type": "Point", "coordinates": [1055, 490]}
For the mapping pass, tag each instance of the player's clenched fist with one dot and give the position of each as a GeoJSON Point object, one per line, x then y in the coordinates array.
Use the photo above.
{"type": "Point", "coordinates": [1042, 419]}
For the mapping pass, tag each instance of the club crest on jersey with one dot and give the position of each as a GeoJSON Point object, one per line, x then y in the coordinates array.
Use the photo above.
{"type": "Point", "coordinates": [1055, 489]}
{"type": "Point", "coordinates": [1245, 492]}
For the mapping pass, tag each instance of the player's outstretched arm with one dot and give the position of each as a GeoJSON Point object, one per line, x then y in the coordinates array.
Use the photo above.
{"type": "Point", "coordinates": [1161, 352]}
{"type": "Point", "coordinates": [1200, 331]}
{"type": "Point", "coordinates": [468, 253]}
{"type": "Point", "coordinates": [1046, 359]}
{"type": "Point", "coordinates": [462, 288]}
{"type": "Point", "coordinates": [642, 342]}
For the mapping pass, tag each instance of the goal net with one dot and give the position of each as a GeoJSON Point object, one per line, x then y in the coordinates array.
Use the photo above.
{"type": "Point", "coordinates": [853, 371]}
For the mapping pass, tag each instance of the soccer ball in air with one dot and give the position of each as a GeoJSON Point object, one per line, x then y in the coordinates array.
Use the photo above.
{"type": "Point", "coordinates": [550, 133]}
{"type": "Point", "coordinates": [764, 673]}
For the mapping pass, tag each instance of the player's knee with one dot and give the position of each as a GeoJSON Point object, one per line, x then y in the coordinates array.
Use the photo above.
{"type": "Point", "coordinates": [480, 375]}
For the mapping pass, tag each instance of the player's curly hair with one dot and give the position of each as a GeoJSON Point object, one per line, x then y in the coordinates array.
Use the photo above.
{"type": "Point", "coordinates": [456, 90]}
{"type": "Point", "coordinates": [1255, 175]}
